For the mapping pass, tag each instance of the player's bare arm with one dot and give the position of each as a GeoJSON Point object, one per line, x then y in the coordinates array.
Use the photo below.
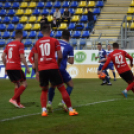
{"type": "Point", "coordinates": [71, 60]}
{"type": "Point", "coordinates": [59, 54]}
{"type": "Point", "coordinates": [24, 62]}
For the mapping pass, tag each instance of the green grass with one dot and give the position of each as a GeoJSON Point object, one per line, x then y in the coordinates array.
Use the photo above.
{"type": "Point", "coordinates": [115, 117]}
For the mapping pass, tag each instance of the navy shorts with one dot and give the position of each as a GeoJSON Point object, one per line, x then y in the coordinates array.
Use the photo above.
{"type": "Point", "coordinates": [65, 76]}
{"type": "Point", "coordinates": [110, 66]}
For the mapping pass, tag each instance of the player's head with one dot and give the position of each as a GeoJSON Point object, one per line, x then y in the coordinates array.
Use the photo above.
{"type": "Point", "coordinates": [99, 46]}
{"type": "Point", "coordinates": [18, 34]}
{"type": "Point", "coordinates": [115, 45]}
{"type": "Point", "coordinates": [66, 35]}
{"type": "Point", "coordinates": [46, 30]}
{"type": "Point", "coordinates": [43, 16]}
{"type": "Point", "coordinates": [109, 47]}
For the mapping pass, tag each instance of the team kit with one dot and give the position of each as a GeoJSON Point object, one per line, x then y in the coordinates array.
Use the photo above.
{"type": "Point", "coordinates": [49, 58]}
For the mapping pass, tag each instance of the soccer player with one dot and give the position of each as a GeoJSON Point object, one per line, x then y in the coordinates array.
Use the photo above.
{"type": "Point", "coordinates": [111, 65]}
{"type": "Point", "coordinates": [68, 56]}
{"type": "Point", "coordinates": [102, 56]}
{"type": "Point", "coordinates": [47, 68]}
{"type": "Point", "coordinates": [12, 57]}
{"type": "Point", "coordinates": [118, 57]}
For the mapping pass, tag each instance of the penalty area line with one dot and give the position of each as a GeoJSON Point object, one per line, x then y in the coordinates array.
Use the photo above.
{"type": "Point", "coordinates": [22, 116]}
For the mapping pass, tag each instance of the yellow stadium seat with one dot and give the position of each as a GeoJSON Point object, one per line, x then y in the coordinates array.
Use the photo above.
{"type": "Point", "coordinates": [79, 11]}
{"type": "Point", "coordinates": [124, 25]}
{"type": "Point", "coordinates": [132, 25]}
{"type": "Point", "coordinates": [32, 5]}
{"type": "Point", "coordinates": [132, 4]}
{"type": "Point", "coordinates": [32, 19]}
{"type": "Point", "coordinates": [27, 0]}
{"type": "Point", "coordinates": [62, 26]}
{"type": "Point", "coordinates": [28, 12]}
{"type": "Point", "coordinates": [129, 18]}
{"type": "Point", "coordinates": [49, 18]}
{"type": "Point", "coordinates": [23, 19]}
{"type": "Point", "coordinates": [24, 5]}
{"type": "Point", "coordinates": [28, 27]}
{"type": "Point", "coordinates": [75, 18]}
{"type": "Point", "coordinates": [54, 28]}
{"type": "Point", "coordinates": [85, 12]}
{"type": "Point", "coordinates": [83, 4]}
{"type": "Point", "coordinates": [130, 10]}
{"type": "Point", "coordinates": [39, 18]}
{"type": "Point", "coordinates": [91, 4]}
{"type": "Point", "coordinates": [36, 26]}
{"type": "Point", "coordinates": [20, 12]}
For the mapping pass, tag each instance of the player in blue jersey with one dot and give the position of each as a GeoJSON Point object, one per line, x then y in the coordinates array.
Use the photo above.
{"type": "Point", "coordinates": [102, 57]}
{"type": "Point", "coordinates": [68, 57]}
{"type": "Point", "coordinates": [111, 65]}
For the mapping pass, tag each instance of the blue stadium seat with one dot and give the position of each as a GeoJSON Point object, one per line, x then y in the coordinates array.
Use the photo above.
{"type": "Point", "coordinates": [6, 19]}
{"type": "Point", "coordinates": [74, 4]}
{"type": "Point", "coordinates": [58, 34]}
{"type": "Point", "coordinates": [15, 5]}
{"type": "Point", "coordinates": [2, 42]}
{"type": "Point", "coordinates": [95, 18]}
{"type": "Point", "coordinates": [77, 34]}
{"type": "Point", "coordinates": [73, 41]}
{"type": "Point", "coordinates": [32, 34]}
{"type": "Point", "coordinates": [49, 4]}
{"type": "Point", "coordinates": [0, 19]}
{"type": "Point", "coordinates": [36, 11]}
{"type": "Point", "coordinates": [45, 11]}
{"type": "Point", "coordinates": [0, 34]}
{"type": "Point", "coordinates": [71, 10]}
{"type": "Point", "coordinates": [2, 27]}
{"type": "Point", "coordinates": [52, 11]}
{"type": "Point", "coordinates": [71, 26]}
{"type": "Point", "coordinates": [61, 10]}
{"type": "Point", "coordinates": [10, 27]}
{"type": "Point", "coordinates": [15, 19]}
{"type": "Point", "coordinates": [28, 42]}
{"type": "Point", "coordinates": [2, 12]}
{"type": "Point", "coordinates": [19, 27]}
{"type": "Point", "coordinates": [9, 40]}
{"type": "Point", "coordinates": [65, 4]}
{"type": "Point", "coordinates": [40, 35]}
{"type": "Point", "coordinates": [96, 11]}
{"type": "Point", "coordinates": [99, 4]}
{"type": "Point", "coordinates": [13, 34]}
{"type": "Point", "coordinates": [57, 4]}
{"type": "Point", "coordinates": [52, 34]}
{"type": "Point", "coordinates": [85, 34]}
{"type": "Point", "coordinates": [11, 12]}
{"type": "Point", "coordinates": [6, 34]}
{"type": "Point", "coordinates": [84, 18]}
{"type": "Point", "coordinates": [82, 41]}
{"type": "Point", "coordinates": [79, 26]}
{"type": "Point", "coordinates": [7, 5]}
{"type": "Point", "coordinates": [1, 5]}
{"type": "Point", "coordinates": [24, 34]}
{"type": "Point", "coordinates": [40, 4]}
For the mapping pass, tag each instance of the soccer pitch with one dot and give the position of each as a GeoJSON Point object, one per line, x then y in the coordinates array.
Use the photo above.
{"type": "Point", "coordinates": [102, 110]}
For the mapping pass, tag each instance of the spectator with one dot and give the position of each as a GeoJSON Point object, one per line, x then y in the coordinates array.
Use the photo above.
{"type": "Point", "coordinates": [54, 23]}
{"type": "Point", "coordinates": [44, 21]}
{"type": "Point", "coordinates": [57, 15]}
{"type": "Point", "coordinates": [90, 20]}
{"type": "Point", "coordinates": [66, 15]}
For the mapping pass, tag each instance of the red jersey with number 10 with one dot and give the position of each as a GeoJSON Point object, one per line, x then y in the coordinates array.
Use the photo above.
{"type": "Point", "coordinates": [119, 59]}
{"type": "Point", "coordinates": [46, 48]}
{"type": "Point", "coordinates": [13, 51]}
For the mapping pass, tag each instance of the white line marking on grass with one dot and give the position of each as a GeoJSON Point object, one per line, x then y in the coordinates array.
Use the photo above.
{"type": "Point", "coordinates": [22, 116]}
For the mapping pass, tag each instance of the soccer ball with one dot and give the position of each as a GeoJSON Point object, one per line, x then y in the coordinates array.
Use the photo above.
{"type": "Point", "coordinates": [102, 75]}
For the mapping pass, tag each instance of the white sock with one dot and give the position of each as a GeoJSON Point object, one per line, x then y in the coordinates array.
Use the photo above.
{"type": "Point", "coordinates": [125, 91]}
{"type": "Point", "coordinates": [70, 109]}
{"type": "Point", "coordinates": [50, 102]}
{"type": "Point", "coordinates": [44, 109]}
{"type": "Point", "coordinates": [63, 102]}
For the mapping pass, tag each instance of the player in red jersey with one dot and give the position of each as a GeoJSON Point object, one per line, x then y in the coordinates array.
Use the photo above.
{"type": "Point", "coordinates": [118, 57]}
{"type": "Point", "coordinates": [47, 68]}
{"type": "Point", "coordinates": [12, 57]}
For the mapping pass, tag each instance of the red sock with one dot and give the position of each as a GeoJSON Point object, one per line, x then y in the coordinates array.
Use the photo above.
{"type": "Point", "coordinates": [43, 98]}
{"type": "Point", "coordinates": [130, 86]}
{"type": "Point", "coordinates": [19, 92]}
{"type": "Point", "coordinates": [65, 95]}
{"type": "Point", "coordinates": [18, 99]}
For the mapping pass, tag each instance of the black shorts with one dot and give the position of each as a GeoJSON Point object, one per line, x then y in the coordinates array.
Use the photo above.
{"type": "Point", "coordinates": [52, 75]}
{"type": "Point", "coordinates": [16, 75]}
{"type": "Point", "coordinates": [127, 76]}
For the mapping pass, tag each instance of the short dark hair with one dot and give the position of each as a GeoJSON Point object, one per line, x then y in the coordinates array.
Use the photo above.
{"type": "Point", "coordinates": [18, 33]}
{"type": "Point", "coordinates": [45, 29]}
{"type": "Point", "coordinates": [66, 34]}
{"type": "Point", "coordinates": [99, 44]}
{"type": "Point", "coordinates": [115, 45]}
